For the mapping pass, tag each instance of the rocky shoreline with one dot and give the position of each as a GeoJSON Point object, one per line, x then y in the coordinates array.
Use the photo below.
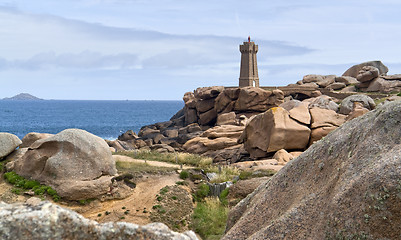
{"type": "Point", "coordinates": [320, 141]}
{"type": "Point", "coordinates": [236, 125]}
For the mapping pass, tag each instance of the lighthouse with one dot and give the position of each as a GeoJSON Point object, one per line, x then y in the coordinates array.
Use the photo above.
{"type": "Point", "coordinates": [249, 67]}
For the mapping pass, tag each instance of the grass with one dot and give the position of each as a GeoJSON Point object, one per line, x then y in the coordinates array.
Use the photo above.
{"type": "Point", "coordinates": [209, 219]}
{"type": "Point", "coordinates": [141, 167]}
{"type": "Point", "coordinates": [177, 158]}
{"type": "Point", "coordinates": [21, 184]}
{"type": "Point", "coordinates": [202, 192]}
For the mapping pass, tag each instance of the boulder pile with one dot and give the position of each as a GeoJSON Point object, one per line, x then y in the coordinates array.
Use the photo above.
{"type": "Point", "coordinates": [346, 186]}
{"type": "Point", "coordinates": [210, 123]}
{"type": "Point", "coordinates": [367, 77]}
{"type": "Point", "coordinates": [233, 124]}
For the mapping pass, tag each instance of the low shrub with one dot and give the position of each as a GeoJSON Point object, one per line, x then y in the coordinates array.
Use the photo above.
{"type": "Point", "coordinates": [184, 174]}
{"type": "Point", "coordinates": [23, 184]}
{"type": "Point", "coordinates": [202, 192]}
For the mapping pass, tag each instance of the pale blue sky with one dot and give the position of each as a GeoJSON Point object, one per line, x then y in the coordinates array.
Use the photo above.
{"type": "Point", "coordinates": [160, 49]}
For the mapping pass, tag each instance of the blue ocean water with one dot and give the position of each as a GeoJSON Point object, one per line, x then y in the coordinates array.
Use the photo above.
{"type": "Point", "coordinates": [106, 119]}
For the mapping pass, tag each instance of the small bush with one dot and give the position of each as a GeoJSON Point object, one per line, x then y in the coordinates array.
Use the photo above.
{"type": "Point", "coordinates": [180, 183]}
{"type": "Point", "coordinates": [209, 219]}
{"type": "Point", "coordinates": [29, 184]}
{"type": "Point", "coordinates": [399, 94]}
{"type": "Point", "coordinates": [184, 174]}
{"type": "Point", "coordinates": [202, 192]}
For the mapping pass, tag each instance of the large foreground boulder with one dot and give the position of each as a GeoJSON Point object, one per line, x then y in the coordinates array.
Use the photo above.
{"type": "Point", "coordinates": [346, 185]}
{"type": "Point", "coordinates": [273, 130]}
{"type": "Point", "coordinates": [49, 221]}
{"type": "Point", "coordinates": [69, 161]}
{"type": "Point", "coordinates": [8, 143]}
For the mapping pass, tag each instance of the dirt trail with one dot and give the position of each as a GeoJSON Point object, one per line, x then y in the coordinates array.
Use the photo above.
{"type": "Point", "coordinates": [139, 203]}
{"type": "Point", "coordinates": [121, 158]}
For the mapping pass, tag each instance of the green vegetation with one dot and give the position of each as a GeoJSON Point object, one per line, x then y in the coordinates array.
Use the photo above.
{"type": "Point", "coordinates": [22, 184]}
{"type": "Point", "coordinates": [399, 94]}
{"type": "Point", "coordinates": [184, 174]}
{"type": "Point", "coordinates": [223, 196]}
{"type": "Point", "coordinates": [202, 192]}
{"type": "Point", "coordinates": [209, 218]}
{"type": "Point", "coordinates": [141, 167]}
{"type": "Point", "coordinates": [182, 183]}
{"type": "Point", "coordinates": [177, 158]}
{"type": "Point", "coordinates": [164, 190]}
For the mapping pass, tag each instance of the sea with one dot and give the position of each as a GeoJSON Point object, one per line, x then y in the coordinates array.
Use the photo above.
{"type": "Point", "coordinates": [106, 119]}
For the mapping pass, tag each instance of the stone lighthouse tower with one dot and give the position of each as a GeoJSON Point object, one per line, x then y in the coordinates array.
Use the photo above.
{"type": "Point", "coordinates": [249, 67]}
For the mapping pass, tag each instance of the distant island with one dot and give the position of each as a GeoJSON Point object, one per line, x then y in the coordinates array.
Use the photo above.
{"type": "Point", "coordinates": [23, 96]}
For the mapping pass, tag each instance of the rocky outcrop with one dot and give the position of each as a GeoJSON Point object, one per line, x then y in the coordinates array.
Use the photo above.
{"type": "Point", "coordinates": [77, 164]}
{"type": "Point", "coordinates": [348, 103]}
{"type": "Point", "coordinates": [273, 130]}
{"type": "Point", "coordinates": [32, 137]}
{"type": "Point", "coordinates": [345, 185]}
{"type": "Point", "coordinates": [45, 220]}
{"type": "Point", "coordinates": [367, 77]}
{"type": "Point", "coordinates": [205, 108]}
{"type": "Point", "coordinates": [354, 70]}
{"type": "Point", "coordinates": [8, 143]}
{"type": "Point", "coordinates": [216, 141]}
{"type": "Point", "coordinates": [323, 122]}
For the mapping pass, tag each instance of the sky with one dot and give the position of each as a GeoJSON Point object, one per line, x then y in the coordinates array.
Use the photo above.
{"type": "Point", "coordinates": [160, 49]}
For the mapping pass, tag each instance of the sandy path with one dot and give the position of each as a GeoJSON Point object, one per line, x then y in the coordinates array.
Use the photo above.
{"type": "Point", "coordinates": [121, 158]}
{"type": "Point", "coordinates": [139, 204]}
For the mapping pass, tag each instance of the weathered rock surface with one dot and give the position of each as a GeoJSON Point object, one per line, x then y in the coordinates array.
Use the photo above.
{"type": "Point", "coordinates": [298, 111]}
{"type": "Point", "coordinates": [32, 137]}
{"type": "Point", "coordinates": [357, 111]}
{"type": "Point", "coordinates": [348, 103]}
{"type": "Point", "coordinates": [384, 86]}
{"type": "Point", "coordinates": [257, 99]}
{"type": "Point", "coordinates": [273, 130]}
{"type": "Point", "coordinates": [354, 70]}
{"type": "Point", "coordinates": [324, 102]}
{"type": "Point", "coordinates": [44, 220]}
{"type": "Point", "coordinates": [8, 143]}
{"type": "Point", "coordinates": [367, 73]}
{"type": "Point", "coordinates": [67, 161]}
{"type": "Point", "coordinates": [346, 185]}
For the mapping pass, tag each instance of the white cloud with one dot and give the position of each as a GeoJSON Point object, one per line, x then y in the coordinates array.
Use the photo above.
{"type": "Point", "coordinates": [160, 48]}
